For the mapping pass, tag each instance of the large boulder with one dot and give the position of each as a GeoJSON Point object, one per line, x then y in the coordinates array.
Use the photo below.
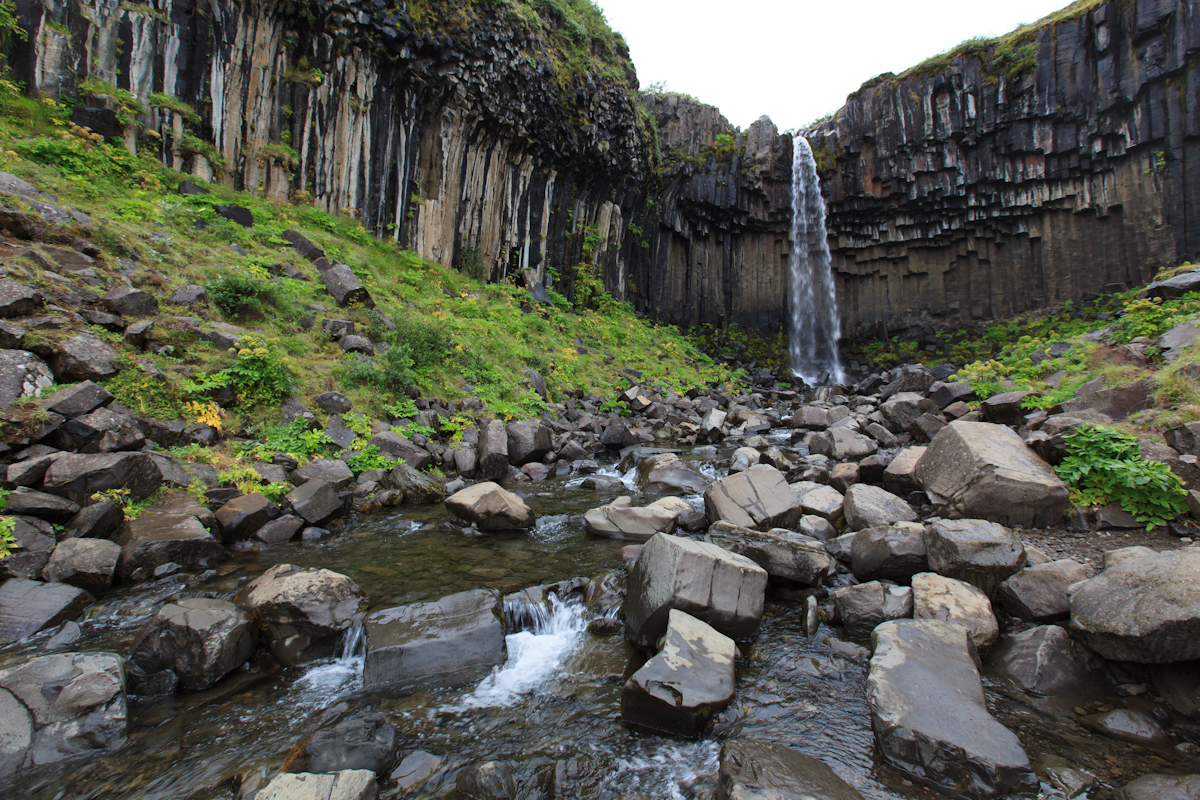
{"type": "Point", "coordinates": [754, 770]}
{"type": "Point", "coordinates": [396, 446]}
{"type": "Point", "coordinates": [491, 452]}
{"type": "Point", "coordinates": [1039, 593]}
{"type": "Point", "coordinates": [782, 553]}
{"type": "Point", "coordinates": [900, 477]}
{"type": "Point", "coordinates": [199, 639]}
{"type": "Point", "coordinates": [528, 441]}
{"type": "Point", "coordinates": [315, 501]}
{"type": "Point", "coordinates": [867, 506]}
{"type": "Point", "coordinates": [621, 520]}
{"type": "Point", "coordinates": [1163, 787]}
{"type": "Point", "coordinates": [18, 300]}
{"type": "Point", "coordinates": [363, 741]}
{"type": "Point", "coordinates": [889, 552]}
{"type": "Point", "coordinates": [976, 470]}
{"type": "Point", "coordinates": [680, 689]}
{"type": "Point", "coordinates": [27, 607]}
{"type": "Point", "coordinates": [58, 706]}
{"type": "Point", "coordinates": [930, 717]}
{"type": "Point", "coordinates": [1045, 661]}
{"type": "Point", "coordinates": [490, 507]}
{"type": "Point", "coordinates": [865, 605]}
{"type": "Point", "coordinates": [1143, 607]}
{"type": "Point", "coordinates": [666, 473]}
{"type": "Point", "coordinates": [78, 476]}
{"type": "Point", "coordinates": [84, 357]}
{"type": "Point", "coordinates": [242, 516]}
{"type": "Point", "coordinates": [757, 498]}
{"type": "Point", "coordinates": [345, 287]}
{"type": "Point", "coordinates": [820, 500]}
{"type": "Point", "coordinates": [333, 471]}
{"type": "Point", "coordinates": [88, 564]}
{"type": "Point", "coordinates": [842, 444]}
{"type": "Point", "coordinates": [156, 545]}
{"type": "Point", "coordinates": [718, 587]}
{"type": "Point", "coordinates": [446, 643]}
{"type": "Point", "coordinates": [417, 488]}
{"type": "Point", "coordinates": [304, 609]}
{"type": "Point", "coordinates": [940, 598]}
{"type": "Point", "coordinates": [978, 552]}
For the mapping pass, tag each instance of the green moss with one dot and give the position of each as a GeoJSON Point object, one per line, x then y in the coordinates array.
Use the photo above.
{"type": "Point", "coordinates": [160, 100]}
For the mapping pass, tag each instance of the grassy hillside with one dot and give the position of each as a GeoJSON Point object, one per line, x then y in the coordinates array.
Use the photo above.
{"type": "Point", "coordinates": [449, 337]}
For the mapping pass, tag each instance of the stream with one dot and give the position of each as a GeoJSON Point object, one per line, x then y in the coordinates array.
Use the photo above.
{"type": "Point", "coordinates": [556, 699]}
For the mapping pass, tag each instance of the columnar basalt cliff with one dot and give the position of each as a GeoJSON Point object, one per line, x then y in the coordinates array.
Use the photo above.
{"type": "Point", "coordinates": [990, 187]}
{"type": "Point", "coordinates": [449, 131]}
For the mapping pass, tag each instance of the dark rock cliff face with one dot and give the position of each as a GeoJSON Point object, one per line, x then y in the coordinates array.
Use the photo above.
{"type": "Point", "coordinates": [970, 194]}
{"type": "Point", "coordinates": [445, 139]}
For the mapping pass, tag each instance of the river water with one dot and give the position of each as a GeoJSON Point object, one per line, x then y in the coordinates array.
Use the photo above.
{"type": "Point", "coordinates": [556, 699]}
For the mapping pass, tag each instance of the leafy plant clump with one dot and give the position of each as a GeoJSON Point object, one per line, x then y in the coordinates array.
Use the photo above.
{"type": "Point", "coordinates": [237, 294]}
{"type": "Point", "coordinates": [1105, 466]}
{"type": "Point", "coordinates": [8, 539]}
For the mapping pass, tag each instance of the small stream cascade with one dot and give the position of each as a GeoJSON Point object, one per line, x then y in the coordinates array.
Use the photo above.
{"type": "Point", "coordinates": [816, 326]}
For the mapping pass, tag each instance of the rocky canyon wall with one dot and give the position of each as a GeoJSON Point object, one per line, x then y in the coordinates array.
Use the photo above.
{"type": "Point", "coordinates": [992, 185]}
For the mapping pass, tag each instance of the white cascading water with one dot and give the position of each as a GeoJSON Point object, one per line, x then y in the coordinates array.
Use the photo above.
{"type": "Point", "coordinates": [816, 327]}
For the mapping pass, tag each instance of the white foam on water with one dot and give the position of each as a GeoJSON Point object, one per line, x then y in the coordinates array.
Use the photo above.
{"type": "Point", "coordinates": [534, 657]}
{"type": "Point", "coordinates": [329, 679]}
{"type": "Point", "coordinates": [552, 528]}
{"type": "Point", "coordinates": [666, 771]}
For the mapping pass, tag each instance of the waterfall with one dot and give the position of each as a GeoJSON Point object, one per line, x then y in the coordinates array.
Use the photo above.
{"type": "Point", "coordinates": [816, 328]}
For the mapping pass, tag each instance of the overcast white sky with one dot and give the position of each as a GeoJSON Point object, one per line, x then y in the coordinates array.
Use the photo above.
{"type": "Point", "coordinates": [796, 60]}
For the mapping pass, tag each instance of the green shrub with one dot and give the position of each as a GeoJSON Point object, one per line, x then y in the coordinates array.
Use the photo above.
{"type": "Point", "coordinates": [259, 376]}
{"type": "Point", "coordinates": [236, 294]}
{"type": "Point", "coordinates": [1104, 466]}
{"type": "Point", "coordinates": [471, 264]}
{"type": "Point", "coordinates": [369, 458]}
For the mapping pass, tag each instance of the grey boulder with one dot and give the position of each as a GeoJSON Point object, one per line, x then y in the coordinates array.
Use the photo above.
{"type": "Point", "coordinates": [718, 587]}
{"type": "Point", "coordinates": [867, 506]}
{"type": "Point", "coordinates": [199, 639]}
{"type": "Point", "coordinates": [22, 374]}
{"type": "Point", "coordinates": [930, 717]}
{"type": "Point", "coordinates": [691, 678]}
{"type": "Point", "coordinates": [976, 470]}
{"type": "Point", "coordinates": [939, 598]}
{"type": "Point", "coordinates": [757, 498]}
{"type": "Point", "coordinates": [978, 552]}
{"type": "Point", "coordinates": [365, 741]}
{"type": "Point", "coordinates": [1045, 661]}
{"type": "Point", "coordinates": [666, 473]}
{"type": "Point", "coordinates": [155, 545]}
{"type": "Point", "coordinates": [782, 553]}
{"type": "Point", "coordinates": [891, 552]}
{"type": "Point", "coordinates": [88, 564]}
{"type": "Point", "coordinates": [861, 608]}
{"type": "Point", "coordinates": [446, 643]}
{"type": "Point", "coordinates": [757, 770]}
{"type": "Point", "coordinates": [351, 784]}
{"type": "Point", "coordinates": [491, 507]}
{"type": "Point", "coordinates": [621, 520]}
{"type": "Point", "coordinates": [1039, 593]}
{"type": "Point", "coordinates": [842, 444]}
{"type": "Point", "coordinates": [27, 607]}
{"type": "Point", "coordinates": [304, 610]}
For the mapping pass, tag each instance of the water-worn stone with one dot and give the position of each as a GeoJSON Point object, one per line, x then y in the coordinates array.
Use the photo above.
{"type": "Point", "coordinates": [1045, 661]}
{"type": "Point", "coordinates": [490, 507]}
{"type": "Point", "coordinates": [304, 609]}
{"type": "Point", "coordinates": [864, 606]}
{"type": "Point", "coordinates": [242, 516]}
{"type": "Point", "coordinates": [353, 784]}
{"type": "Point", "coordinates": [491, 780]}
{"type": "Point", "coordinates": [868, 506]}
{"type": "Point", "coordinates": [782, 553]}
{"type": "Point", "coordinates": [1143, 607]}
{"type": "Point", "coordinates": [889, 552]}
{"type": "Point", "coordinates": [417, 488]}
{"type": "Point", "coordinates": [1039, 593]}
{"type": "Point", "coordinates": [201, 640]}
{"type": "Point", "coordinates": [1163, 787]}
{"type": "Point", "coordinates": [363, 741]}
{"type": "Point", "coordinates": [666, 473]}
{"type": "Point", "coordinates": [449, 642]}
{"type": "Point", "coordinates": [1128, 725]}
{"type": "Point", "coordinates": [22, 374]}
{"type": "Point", "coordinates": [280, 530]}
{"type": "Point", "coordinates": [900, 477]}
{"type": "Point", "coordinates": [680, 689]}
{"type": "Point", "coordinates": [758, 498]}
{"type": "Point", "coordinates": [975, 551]}
{"type": "Point", "coordinates": [755, 770]}
{"type": "Point", "coordinates": [620, 520]}
{"type": "Point", "coordinates": [941, 598]}
{"type": "Point", "coordinates": [61, 705]}
{"type": "Point", "coordinates": [154, 545]}
{"type": "Point", "coordinates": [976, 470]}
{"type": "Point", "coordinates": [79, 476]}
{"type": "Point", "coordinates": [842, 444]}
{"type": "Point", "coordinates": [27, 607]}
{"type": "Point", "coordinates": [88, 564]}
{"type": "Point", "coordinates": [718, 587]}
{"type": "Point", "coordinates": [930, 717]}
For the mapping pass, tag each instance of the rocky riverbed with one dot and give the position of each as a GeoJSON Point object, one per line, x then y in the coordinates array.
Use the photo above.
{"type": "Point", "coordinates": [799, 591]}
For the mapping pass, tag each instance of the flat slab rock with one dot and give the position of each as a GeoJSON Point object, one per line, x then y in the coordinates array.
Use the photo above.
{"type": "Point", "coordinates": [754, 770]}
{"type": "Point", "coordinates": [27, 607]}
{"type": "Point", "coordinates": [930, 717]}
{"type": "Point", "coordinates": [758, 498]}
{"type": "Point", "coordinates": [449, 642]}
{"type": "Point", "coordinates": [1143, 607]}
{"type": "Point", "coordinates": [350, 784]}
